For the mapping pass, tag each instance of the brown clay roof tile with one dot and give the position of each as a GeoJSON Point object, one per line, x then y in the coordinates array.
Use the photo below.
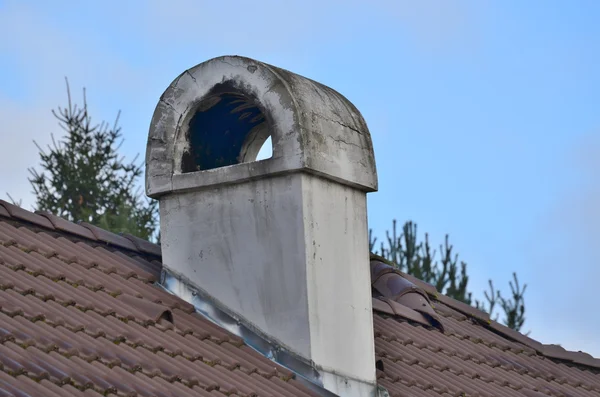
{"type": "Point", "coordinates": [474, 356]}
{"type": "Point", "coordinates": [24, 215]}
{"type": "Point", "coordinates": [403, 296]}
{"type": "Point", "coordinates": [66, 226]}
{"type": "Point", "coordinates": [469, 354]}
{"type": "Point", "coordinates": [84, 317]}
{"type": "Point", "coordinates": [3, 211]}
{"type": "Point", "coordinates": [81, 315]}
{"type": "Point", "coordinates": [143, 245]}
{"type": "Point", "coordinates": [109, 237]}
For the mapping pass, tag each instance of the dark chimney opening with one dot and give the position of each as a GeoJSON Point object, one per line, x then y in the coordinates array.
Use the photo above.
{"type": "Point", "coordinates": [227, 128]}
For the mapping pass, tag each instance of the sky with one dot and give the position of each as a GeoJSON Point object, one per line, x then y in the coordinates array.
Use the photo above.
{"type": "Point", "coordinates": [484, 115]}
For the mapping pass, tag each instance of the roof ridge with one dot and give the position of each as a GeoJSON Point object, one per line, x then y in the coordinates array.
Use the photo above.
{"type": "Point", "coordinates": [80, 229]}
{"type": "Point", "coordinates": [547, 350]}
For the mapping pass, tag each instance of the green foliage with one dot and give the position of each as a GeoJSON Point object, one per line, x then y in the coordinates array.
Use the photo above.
{"type": "Point", "coordinates": [447, 274]}
{"type": "Point", "coordinates": [83, 178]}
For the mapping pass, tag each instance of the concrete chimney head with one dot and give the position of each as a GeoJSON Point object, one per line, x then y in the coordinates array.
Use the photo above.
{"type": "Point", "coordinates": [218, 113]}
{"type": "Point", "coordinates": [281, 243]}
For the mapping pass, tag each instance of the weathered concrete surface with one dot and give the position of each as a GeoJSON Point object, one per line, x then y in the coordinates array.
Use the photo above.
{"type": "Point", "coordinates": [280, 243]}
{"type": "Point", "coordinates": [312, 127]}
{"type": "Point", "coordinates": [289, 254]}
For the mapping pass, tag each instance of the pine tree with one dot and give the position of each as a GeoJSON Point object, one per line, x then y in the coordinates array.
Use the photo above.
{"type": "Point", "coordinates": [447, 275]}
{"type": "Point", "coordinates": [83, 178]}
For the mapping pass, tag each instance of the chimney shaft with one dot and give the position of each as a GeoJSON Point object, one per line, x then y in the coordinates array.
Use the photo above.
{"type": "Point", "coordinates": [280, 243]}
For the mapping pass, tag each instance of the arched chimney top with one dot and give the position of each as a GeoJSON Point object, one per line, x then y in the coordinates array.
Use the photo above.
{"type": "Point", "coordinates": [211, 121]}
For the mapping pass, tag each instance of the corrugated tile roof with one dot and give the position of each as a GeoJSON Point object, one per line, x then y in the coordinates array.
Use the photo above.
{"type": "Point", "coordinates": [471, 355]}
{"type": "Point", "coordinates": [81, 315]}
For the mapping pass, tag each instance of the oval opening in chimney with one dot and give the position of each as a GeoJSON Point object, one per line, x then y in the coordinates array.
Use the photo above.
{"type": "Point", "coordinates": [227, 128]}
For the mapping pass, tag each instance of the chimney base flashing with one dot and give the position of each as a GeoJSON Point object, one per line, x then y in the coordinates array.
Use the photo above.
{"type": "Point", "coordinates": [326, 383]}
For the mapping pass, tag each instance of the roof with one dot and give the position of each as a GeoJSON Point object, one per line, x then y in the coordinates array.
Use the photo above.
{"type": "Point", "coordinates": [82, 314]}
{"type": "Point", "coordinates": [462, 351]}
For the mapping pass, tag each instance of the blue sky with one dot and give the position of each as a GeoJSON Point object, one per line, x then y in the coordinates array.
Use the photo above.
{"type": "Point", "coordinates": [484, 115]}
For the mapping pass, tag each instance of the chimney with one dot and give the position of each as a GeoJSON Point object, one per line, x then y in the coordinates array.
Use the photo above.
{"type": "Point", "coordinates": [281, 244]}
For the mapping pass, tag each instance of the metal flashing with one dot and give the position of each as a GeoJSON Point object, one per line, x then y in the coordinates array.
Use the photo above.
{"type": "Point", "coordinates": [204, 305]}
